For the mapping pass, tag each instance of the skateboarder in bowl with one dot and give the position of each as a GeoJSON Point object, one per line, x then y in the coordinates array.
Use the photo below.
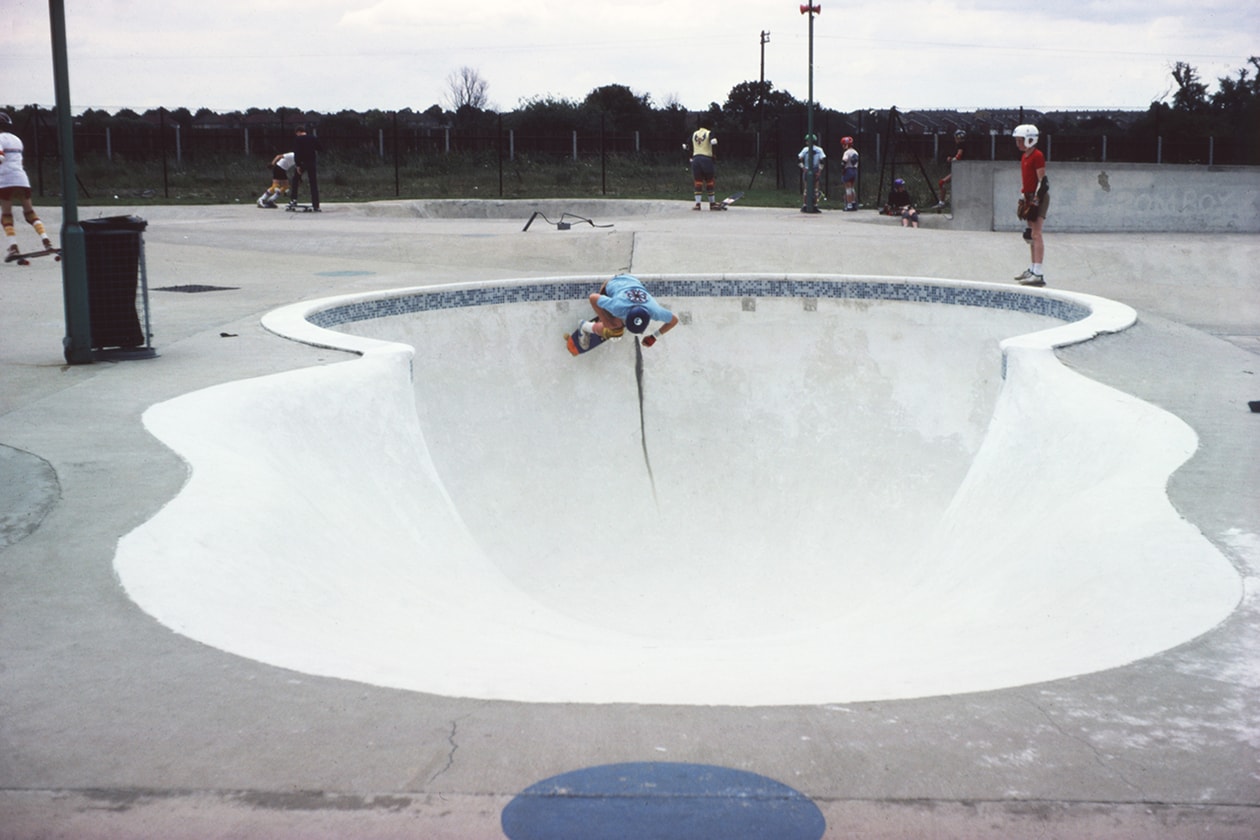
{"type": "Point", "coordinates": [623, 303]}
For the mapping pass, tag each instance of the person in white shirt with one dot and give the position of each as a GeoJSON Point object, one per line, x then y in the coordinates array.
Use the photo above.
{"type": "Point", "coordinates": [15, 185]}
{"type": "Point", "coordinates": [815, 163]}
{"type": "Point", "coordinates": [850, 162]}
{"type": "Point", "coordinates": [281, 175]}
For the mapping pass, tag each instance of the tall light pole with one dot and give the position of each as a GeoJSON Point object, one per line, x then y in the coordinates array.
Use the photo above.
{"type": "Point", "coordinates": [811, 166]}
{"type": "Point", "coordinates": [761, 93]}
{"type": "Point", "coordinates": [77, 345]}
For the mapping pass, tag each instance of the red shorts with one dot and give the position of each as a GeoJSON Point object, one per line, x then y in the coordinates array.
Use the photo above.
{"type": "Point", "coordinates": [11, 193]}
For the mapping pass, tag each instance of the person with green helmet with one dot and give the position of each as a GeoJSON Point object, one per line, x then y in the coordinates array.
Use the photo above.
{"type": "Point", "coordinates": [811, 158]}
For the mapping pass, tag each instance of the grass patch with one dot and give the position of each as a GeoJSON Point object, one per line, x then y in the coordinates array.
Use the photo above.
{"type": "Point", "coordinates": [235, 179]}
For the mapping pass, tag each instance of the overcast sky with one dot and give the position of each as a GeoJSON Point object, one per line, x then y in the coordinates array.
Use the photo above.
{"type": "Point", "coordinates": [332, 55]}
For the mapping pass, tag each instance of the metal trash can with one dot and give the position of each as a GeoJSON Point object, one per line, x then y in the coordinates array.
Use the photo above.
{"type": "Point", "coordinates": [115, 251]}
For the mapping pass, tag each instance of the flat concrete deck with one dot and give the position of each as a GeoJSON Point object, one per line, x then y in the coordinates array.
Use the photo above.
{"type": "Point", "coordinates": [113, 726]}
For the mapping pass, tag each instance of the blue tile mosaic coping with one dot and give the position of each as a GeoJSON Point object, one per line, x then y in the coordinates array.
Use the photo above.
{"type": "Point", "coordinates": [665, 288]}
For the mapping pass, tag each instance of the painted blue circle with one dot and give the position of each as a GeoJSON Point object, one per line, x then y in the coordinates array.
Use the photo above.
{"type": "Point", "coordinates": [661, 801]}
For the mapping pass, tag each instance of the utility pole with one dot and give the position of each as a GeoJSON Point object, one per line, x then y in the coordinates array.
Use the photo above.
{"type": "Point", "coordinates": [811, 166]}
{"type": "Point", "coordinates": [77, 344]}
{"type": "Point", "coordinates": [761, 91]}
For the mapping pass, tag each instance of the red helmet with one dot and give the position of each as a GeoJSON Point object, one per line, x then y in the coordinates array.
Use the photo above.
{"type": "Point", "coordinates": [846, 141]}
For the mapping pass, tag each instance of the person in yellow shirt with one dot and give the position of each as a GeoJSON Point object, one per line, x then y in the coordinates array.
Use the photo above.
{"type": "Point", "coordinates": [703, 172]}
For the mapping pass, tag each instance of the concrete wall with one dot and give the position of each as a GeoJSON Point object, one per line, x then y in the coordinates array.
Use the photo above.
{"type": "Point", "coordinates": [1113, 197]}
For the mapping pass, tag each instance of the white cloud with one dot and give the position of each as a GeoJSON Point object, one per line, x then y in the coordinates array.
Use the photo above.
{"type": "Point", "coordinates": [335, 54]}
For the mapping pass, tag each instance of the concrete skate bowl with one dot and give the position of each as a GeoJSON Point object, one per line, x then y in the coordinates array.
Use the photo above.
{"type": "Point", "coordinates": [816, 489]}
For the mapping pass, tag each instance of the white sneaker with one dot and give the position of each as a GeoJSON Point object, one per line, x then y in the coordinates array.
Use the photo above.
{"type": "Point", "coordinates": [1029, 278]}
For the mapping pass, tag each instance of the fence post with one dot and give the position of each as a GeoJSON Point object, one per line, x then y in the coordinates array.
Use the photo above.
{"type": "Point", "coordinates": [166, 184]}
{"type": "Point", "coordinates": [575, 145]}
{"type": "Point", "coordinates": [512, 144]}
{"type": "Point", "coordinates": [447, 131]}
{"type": "Point", "coordinates": [38, 149]}
{"type": "Point", "coordinates": [1159, 149]}
{"type": "Point", "coordinates": [380, 141]}
{"type": "Point", "coordinates": [1104, 149]}
{"type": "Point", "coordinates": [109, 144]}
{"type": "Point", "coordinates": [1211, 150]}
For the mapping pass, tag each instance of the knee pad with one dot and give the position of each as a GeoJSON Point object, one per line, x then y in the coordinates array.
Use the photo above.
{"type": "Point", "coordinates": [6, 221]}
{"type": "Point", "coordinates": [33, 219]}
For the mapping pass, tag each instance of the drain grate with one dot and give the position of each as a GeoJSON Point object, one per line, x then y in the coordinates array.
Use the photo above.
{"type": "Point", "coordinates": [194, 288]}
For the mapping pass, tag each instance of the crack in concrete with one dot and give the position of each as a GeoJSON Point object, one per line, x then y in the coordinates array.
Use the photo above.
{"type": "Point", "coordinates": [1099, 758]}
{"type": "Point", "coordinates": [450, 756]}
{"type": "Point", "coordinates": [638, 375]}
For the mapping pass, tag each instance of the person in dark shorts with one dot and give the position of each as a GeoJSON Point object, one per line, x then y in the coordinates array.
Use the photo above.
{"type": "Point", "coordinates": [282, 173]}
{"type": "Point", "coordinates": [306, 149]}
{"type": "Point", "coordinates": [849, 174]}
{"type": "Point", "coordinates": [703, 169]}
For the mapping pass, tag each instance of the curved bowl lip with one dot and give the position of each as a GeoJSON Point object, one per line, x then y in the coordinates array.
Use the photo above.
{"type": "Point", "coordinates": [294, 321]}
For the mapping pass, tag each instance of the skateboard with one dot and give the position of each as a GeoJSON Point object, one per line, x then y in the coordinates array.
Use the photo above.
{"type": "Point", "coordinates": [25, 259]}
{"type": "Point", "coordinates": [728, 201]}
{"type": "Point", "coordinates": [299, 208]}
{"type": "Point", "coordinates": [580, 342]}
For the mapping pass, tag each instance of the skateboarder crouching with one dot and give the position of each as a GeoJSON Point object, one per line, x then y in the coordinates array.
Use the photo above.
{"type": "Point", "coordinates": [624, 303]}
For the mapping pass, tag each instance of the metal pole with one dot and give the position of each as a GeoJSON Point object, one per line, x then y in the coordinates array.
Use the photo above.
{"type": "Point", "coordinates": [761, 92]}
{"type": "Point", "coordinates": [811, 167]}
{"type": "Point", "coordinates": [77, 343]}
{"type": "Point", "coordinates": [397, 154]}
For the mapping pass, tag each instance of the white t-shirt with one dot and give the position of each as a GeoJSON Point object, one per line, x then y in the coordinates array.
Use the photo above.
{"type": "Point", "coordinates": [12, 174]}
{"type": "Point", "coordinates": [819, 156]}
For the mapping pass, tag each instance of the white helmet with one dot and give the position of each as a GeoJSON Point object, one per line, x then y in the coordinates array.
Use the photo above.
{"type": "Point", "coordinates": [1027, 131]}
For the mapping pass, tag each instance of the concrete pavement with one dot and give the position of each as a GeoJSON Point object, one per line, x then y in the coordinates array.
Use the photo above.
{"type": "Point", "coordinates": [112, 725]}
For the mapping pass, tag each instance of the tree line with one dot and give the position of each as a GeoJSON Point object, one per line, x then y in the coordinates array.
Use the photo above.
{"type": "Point", "coordinates": [753, 114]}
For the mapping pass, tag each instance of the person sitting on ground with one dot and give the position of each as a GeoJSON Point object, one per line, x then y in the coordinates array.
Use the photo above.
{"type": "Point", "coordinates": [901, 204]}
